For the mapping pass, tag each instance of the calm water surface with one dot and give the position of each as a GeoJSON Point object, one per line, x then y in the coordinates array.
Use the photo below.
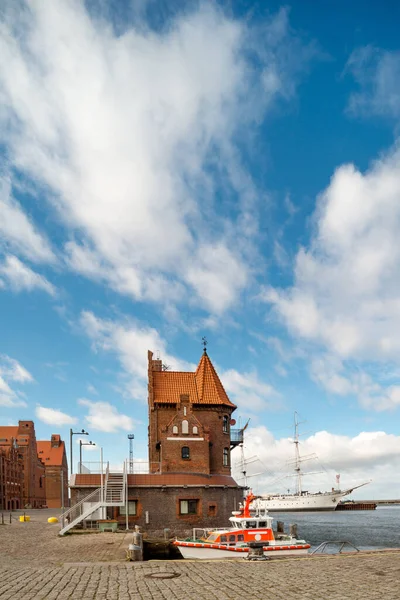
{"type": "Point", "coordinates": [365, 529]}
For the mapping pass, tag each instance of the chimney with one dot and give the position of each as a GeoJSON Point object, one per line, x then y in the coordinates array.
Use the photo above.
{"type": "Point", "coordinates": [156, 365]}
{"type": "Point", "coordinates": [55, 441]}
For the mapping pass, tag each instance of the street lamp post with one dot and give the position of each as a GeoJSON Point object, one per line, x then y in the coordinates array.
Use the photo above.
{"type": "Point", "coordinates": [71, 433]}
{"type": "Point", "coordinates": [80, 452]}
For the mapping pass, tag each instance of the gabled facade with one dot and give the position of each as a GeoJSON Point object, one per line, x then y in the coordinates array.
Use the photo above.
{"type": "Point", "coordinates": [30, 469]}
{"type": "Point", "coordinates": [23, 436]}
{"type": "Point", "coordinates": [53, 456]}
{"type": "Point", "coordinates": [11, 477]}
{"type": "Point", "coordinates": [189, 420]}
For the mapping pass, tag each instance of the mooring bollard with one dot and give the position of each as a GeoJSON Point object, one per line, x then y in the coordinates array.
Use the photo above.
{"type": "Point", "coordinates": [256, 551]}
{"type": "Point", "coordinates": [137, 545]}
{"type": "Point", "coordinates": [293, 530]}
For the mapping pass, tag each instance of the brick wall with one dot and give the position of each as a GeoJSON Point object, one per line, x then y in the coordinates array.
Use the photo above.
{"type": "Point", "coordinates": [158, 508]}
{"type": "Point", "coordinates": [11, 478]}
{"type": "Point", "coordinates": [205, 456]}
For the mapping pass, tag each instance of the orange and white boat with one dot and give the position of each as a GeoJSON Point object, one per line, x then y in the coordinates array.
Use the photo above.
{"type": "Point", "coordinates": [248, 526]}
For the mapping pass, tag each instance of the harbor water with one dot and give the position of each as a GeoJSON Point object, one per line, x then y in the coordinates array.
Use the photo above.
{"type": "Point", "coordinates": [365, 529]}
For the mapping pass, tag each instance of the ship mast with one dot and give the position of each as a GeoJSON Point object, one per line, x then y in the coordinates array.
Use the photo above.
{"type": "Point", "coordinates": [297, 466]}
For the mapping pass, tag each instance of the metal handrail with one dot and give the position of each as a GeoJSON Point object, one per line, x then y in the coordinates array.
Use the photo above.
{"type": "Point", "coordinates": [80, 503]}
{"type": "Point", "coordinates": [322, 547]}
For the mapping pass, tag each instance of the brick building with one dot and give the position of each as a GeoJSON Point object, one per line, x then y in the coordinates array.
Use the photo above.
{"type": "Point", "coordinates": [11, 476]}
{"type": "Point", "coordinates": [19, 456]}
{"type": "Point", "coordinates": [52, 454]}
{"type": "Point", "coordinates": [189, 483]}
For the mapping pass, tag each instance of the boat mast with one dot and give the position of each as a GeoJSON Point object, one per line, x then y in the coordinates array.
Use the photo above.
{"type": "Point", "coordinates": [297, 467]}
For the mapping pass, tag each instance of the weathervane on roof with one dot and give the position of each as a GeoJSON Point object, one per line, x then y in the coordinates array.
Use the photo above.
{"type": "Point", "coordinates": [204, 340]}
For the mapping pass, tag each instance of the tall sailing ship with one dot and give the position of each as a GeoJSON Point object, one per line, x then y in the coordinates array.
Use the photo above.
{"type": "Point", "coordinates": [303, 500]}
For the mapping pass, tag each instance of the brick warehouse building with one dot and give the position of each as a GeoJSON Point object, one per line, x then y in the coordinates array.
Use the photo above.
{"type": "Point", "coordinates": [19, 447]}
{"type": "Point", "coordinates": [189, 482]}
{"type": "Point", "coordinates": [53, 456]}
{"type": "Point", "coordinates": [11, 477]}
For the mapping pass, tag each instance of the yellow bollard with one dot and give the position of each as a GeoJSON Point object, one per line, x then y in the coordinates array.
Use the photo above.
{"type": "Point", "coordinates": [52, 520]}
{"type": "Point", "coordinates": [24, 518]}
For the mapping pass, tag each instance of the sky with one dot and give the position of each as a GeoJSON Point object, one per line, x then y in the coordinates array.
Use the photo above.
{"type": "Point", "coordinates": [172, 170]}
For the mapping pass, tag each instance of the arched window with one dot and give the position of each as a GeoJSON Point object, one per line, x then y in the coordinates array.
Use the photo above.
{"type": "Point", "coordinates": [226, 457]}
{"type": "Point", "coordinates": [185, 426]}
{"type": "Point", "coordinates": [195, 430]}
{"type": "Point", "coordinates": [225, 424]}
{"type": "Point", "coordinates": [185, 452]}
{"type": "Point", "coordinates": [175, 429]}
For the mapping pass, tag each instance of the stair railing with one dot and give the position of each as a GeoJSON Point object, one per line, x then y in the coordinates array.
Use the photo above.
{"type": "Point", "coordinates": [78, 509]}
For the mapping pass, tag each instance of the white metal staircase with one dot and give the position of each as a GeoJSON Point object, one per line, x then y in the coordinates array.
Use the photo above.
{"type": "Point", "coordinates": [112, 493]}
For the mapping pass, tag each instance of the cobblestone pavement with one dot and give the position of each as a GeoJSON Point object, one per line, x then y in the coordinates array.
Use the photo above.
{"type": "Point", "coordinates": [35, 564]}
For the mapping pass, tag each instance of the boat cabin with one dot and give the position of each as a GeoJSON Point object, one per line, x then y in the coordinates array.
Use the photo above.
{"type": "Point", "coordinates": [254, 526]}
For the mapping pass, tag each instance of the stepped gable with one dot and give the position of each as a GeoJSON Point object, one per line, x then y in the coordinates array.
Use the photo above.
{"type": "Point", "coordinates": [203, 387]}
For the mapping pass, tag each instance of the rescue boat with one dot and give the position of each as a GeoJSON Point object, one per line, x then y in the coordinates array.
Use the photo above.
{"type": "Point", "coordinates": [248, 526]}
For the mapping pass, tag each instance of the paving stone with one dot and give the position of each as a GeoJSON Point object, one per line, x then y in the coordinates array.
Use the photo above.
{"type": "Point", "coordinates": [37, 564]}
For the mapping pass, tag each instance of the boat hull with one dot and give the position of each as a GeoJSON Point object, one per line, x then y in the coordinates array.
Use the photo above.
{"type": "Point", "coordinates": [194, 551]}
{"type": "Point", "coordinates": [310, 502]}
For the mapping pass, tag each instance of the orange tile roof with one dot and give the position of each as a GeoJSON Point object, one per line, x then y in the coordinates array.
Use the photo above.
{"type": "Point", "coordinates": [203, 386]}
{"type": "Point", "coordinates": [209, 386]}
{"type": "Point", "coordinates": [157, 479]}
{"type": "Point", "coordinates": [8, 432]}
{"type": "Point", "coordinates": [48, 455]}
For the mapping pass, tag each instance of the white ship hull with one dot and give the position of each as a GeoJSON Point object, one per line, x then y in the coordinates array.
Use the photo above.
{"type": "Point", "coordinates": [305, 502]}
{"type": "Point", "coordinates": [206, 552]}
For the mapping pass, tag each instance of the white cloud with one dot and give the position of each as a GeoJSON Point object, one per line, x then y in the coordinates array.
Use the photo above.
{"type": "Point", "coordinates": [377, 73]}
{"type": "Point", "coordinates": [330, 373]}
{"type": "Point", "coordinates": [105, 417]}
{"type": "Point", "coordinates": [346, 291]}
{"type": "Point", "coordinates": [17, 231]}
{"type": "Point", "coordinates": [11, 401]}
{"type": "Point", "coordinates": [130, 341]}
{"type": "Point", "coordinates": [20, 277]}
{"type": "Point", "coordinates": [246, 390]}
{"type": "Point", "coordinates": [369, 455]}
{"type": "Point", "coordinates": [55, 417]}
{"type": "Point", "coordinates": [132, 135]}
{"type": "Point", "coordinates": [12, 371]}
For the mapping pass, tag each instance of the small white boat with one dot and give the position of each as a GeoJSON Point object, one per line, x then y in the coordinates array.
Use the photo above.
{"type": "Point", "coordinates": [248, 526]}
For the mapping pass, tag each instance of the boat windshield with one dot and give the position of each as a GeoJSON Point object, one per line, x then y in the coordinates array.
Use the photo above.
{"type": "Point", "coordinates": [212, 537]}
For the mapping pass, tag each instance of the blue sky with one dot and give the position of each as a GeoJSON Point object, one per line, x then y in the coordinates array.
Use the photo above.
{"type": "Point", "coordinates": [230, 170]}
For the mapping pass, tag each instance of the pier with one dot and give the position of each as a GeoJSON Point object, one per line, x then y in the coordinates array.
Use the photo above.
{"type": "Point", "coordinates": [37, 564]}
{"type": "Point", "coordinates": [381, 502]}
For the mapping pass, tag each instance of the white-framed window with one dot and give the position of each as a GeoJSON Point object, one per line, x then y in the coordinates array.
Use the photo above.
{"type": "Point", "coordinates": [132, 508]}
{"type": "Point", "coordinates": [185, 426]}
{"type": "Point", "coordinates": [188, 507]}
{"type": "Point", "coordinates": [175, 429]}
{"type": "Point", "coordinates": [226, 457]}
{"type": "Point", "coordinates": [225, 424]}
{"type": "Point", "coordinates": [195, 430]}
